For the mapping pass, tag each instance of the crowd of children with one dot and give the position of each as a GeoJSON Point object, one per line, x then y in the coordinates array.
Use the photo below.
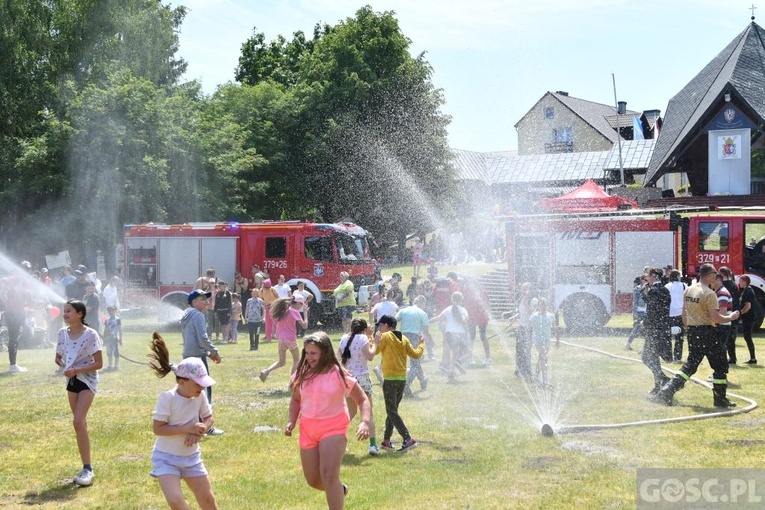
{"type": "Point", "coordinates": [328, 387]}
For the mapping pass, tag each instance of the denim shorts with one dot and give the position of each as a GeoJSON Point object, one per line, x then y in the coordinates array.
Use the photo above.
{"type": "Point", "coordinates": [183, 466]}
{"type": "Point", "coordinates": [346, 312]}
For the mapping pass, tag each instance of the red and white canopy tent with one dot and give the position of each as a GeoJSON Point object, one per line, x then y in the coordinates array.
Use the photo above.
{"type": "Point", "coordinates": [587, 197]}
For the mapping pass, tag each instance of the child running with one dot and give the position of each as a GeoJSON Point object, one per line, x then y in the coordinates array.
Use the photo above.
{"type": "Point", "coordinates": [455, 318]}
{"type": "Point", "coordinates": [182, 417]}
{"type": "Point", "coordinates": [78, 353]}
{"type": "Point", "coordinates": [354, 352]}
{"type": "Point", "coordinates": [542, 324]}
{"type": "Point", "coordinates": [286, 313]}
{"type": "Point", "coordinates": [394, 348]}
{"type": "Point", "coordinates": [319, 390]}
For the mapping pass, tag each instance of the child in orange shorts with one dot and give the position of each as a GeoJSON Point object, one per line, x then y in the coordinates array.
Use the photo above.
{"type": "Point", "coordinates": [319, 388]}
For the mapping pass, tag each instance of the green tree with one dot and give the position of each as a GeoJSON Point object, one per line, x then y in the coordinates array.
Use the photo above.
{"type": "Point", "coordinates": [365, 133]}
{"type": "Point", "coordinates": [50, 52]}
{"type": "Point", "coordinates": [144, 153]}
{"type": "Point", "coordinates": [277, 61]}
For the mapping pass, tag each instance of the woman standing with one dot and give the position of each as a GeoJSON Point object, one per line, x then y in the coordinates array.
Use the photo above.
{"type": "Point", "coordinates": [78, 352]}
{"type": "Point", "coordinates": [749, 307]}
{"type": "Point", "coordinates": [269, 295]}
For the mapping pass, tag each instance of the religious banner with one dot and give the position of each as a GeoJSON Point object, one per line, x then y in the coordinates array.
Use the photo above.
{"type": "Point", "coordinates": [730, 162]}
{"type": "Point", "coordinates": [729, 147]}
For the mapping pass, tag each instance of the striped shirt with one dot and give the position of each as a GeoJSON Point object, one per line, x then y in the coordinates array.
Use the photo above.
{"type": "Point", "coordinates": [726, 303]}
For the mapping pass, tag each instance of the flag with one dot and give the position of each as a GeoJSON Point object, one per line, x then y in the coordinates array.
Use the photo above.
{"type": "Point", "coordinates": [637, 128]}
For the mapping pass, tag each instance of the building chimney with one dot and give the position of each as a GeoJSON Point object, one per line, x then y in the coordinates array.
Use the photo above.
{"type": "Point", "coordinates": [622, 107]}
{"type": "Point", "coordinates": [561, 92]}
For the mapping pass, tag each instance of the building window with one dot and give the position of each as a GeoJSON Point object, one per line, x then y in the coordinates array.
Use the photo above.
{"type": "Point", "coordinates": [563, 135]}
{"type": "Point", "coordinates": [549, 112]}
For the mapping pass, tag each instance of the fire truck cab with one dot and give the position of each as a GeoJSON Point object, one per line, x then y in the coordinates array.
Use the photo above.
{"type": "Point", "coordinates": [733, 240]}
{"type": "Point", "coordinates": [163, 262]}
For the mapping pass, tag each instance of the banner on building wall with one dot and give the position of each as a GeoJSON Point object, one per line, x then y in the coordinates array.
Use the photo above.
{"type": "Point", "coordinates": [729, 147]}
{"type": "Point", "coordinates": [730, 162]}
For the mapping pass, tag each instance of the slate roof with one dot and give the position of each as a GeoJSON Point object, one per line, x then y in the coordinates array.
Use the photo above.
{"type": "Point", "coordinates": [636, 154]}
{"type": "Point", "coordinates": [596, 114]}
{"type": "Point", "coordinates": [507, 167]}
{"type": "Point", "coordinates": [470, 165]}
{"type": "Point", "coordinates": [536, 168]}
{"type": "Point", "coordinates": [740, 67]}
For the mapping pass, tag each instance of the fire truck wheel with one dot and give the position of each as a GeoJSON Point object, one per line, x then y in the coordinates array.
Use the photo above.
{"type": "Point", "coordinates": [583, 313]}
{"type": "Point", "coordinates": [171, 310]}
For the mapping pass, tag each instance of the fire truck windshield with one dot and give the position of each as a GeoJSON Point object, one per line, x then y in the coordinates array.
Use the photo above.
{"type": "Point", "coordinates": [351, 248]}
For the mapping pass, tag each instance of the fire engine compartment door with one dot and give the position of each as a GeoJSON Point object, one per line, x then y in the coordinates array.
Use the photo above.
{"type": "Point", "coordinates": [219, 253]}
{"type": "Point", "coordinates": [635, 250]}
{"type": "Point", "coordinates": [178, 260]}
{"type": "Point", "coordinates": [582, 266]}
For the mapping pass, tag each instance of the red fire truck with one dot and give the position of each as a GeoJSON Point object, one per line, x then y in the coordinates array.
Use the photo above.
{"type": "Point", "coordinates": [163, 262]}
{"type": "Point", "coordinates": [586, 263]}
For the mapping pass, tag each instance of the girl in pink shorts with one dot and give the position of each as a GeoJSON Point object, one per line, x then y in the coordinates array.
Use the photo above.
{"type": "Point", "coordinates": [319, 388]}
{"type": "Point", "coordinates": [286, 313]}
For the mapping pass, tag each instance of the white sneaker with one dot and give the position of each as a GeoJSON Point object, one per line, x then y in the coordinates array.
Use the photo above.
{"type": "Point", "coordinates": [263, 375]}
{"type": "Point", "coordinates": [378, 373]}
{"type": "Point", "coordinates": [215, 432]}
{"type": "Point", "coordinates": [84, 478]}
{"type": "Point", "coordinates": [374, 450]}
{"type": "Point", "coordinates": [487, 362]}
{"type": "Point", "coordinates": [16, 368]}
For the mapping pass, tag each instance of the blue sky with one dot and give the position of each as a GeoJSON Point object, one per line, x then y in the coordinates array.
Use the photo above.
{"type": "Point", "coordinates": [495, 58]}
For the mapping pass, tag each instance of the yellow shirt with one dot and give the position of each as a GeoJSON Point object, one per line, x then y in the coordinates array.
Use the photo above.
{"type": "Point", "coordinates": [698, 300]}
{"type": "Point", "coordinates": [268, 295]}
{"type": "Point", "coordinates": [394, 349]}
{"type": "Point", "coordinates": [344, 294]}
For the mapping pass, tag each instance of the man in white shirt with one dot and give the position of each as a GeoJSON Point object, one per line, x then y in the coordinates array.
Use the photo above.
{"type": "Point", "coordinates": [282, 288]}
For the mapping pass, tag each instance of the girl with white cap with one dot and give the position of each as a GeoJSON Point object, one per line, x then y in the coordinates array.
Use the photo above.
{"type": "Point", "coordinates": [181, 418]}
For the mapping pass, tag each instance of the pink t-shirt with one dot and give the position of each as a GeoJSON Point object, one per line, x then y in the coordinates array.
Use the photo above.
{"type": "Point", "coordinates": [324, 396]}
{"type": "Point", "coordinates": [285, 328]}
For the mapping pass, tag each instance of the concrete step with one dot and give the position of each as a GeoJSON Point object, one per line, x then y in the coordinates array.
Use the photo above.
{"type": "Point", "coordinates": [496, 283]}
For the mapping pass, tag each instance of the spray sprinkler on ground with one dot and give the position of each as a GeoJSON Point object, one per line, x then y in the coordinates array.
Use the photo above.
{"type": "Point", "coordinates": [547, 430]}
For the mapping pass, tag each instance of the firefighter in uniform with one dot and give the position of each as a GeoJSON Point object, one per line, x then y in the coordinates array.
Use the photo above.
{"type": "Point", "coordinates": [700, 314]}
{"type": "Point", "coordinates": [656, 326]}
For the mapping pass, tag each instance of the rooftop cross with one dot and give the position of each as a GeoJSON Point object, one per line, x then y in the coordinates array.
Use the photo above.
{"type": "Point", "coordinates": [753, 8]}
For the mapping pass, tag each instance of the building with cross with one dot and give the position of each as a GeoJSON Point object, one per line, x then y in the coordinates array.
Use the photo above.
{"type": "Point", "coordinates": [714, 126]}
{"type": "Point", "coordinates": [709, 141]}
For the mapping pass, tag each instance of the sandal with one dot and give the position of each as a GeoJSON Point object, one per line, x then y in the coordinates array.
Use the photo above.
{"type": "Point", "coordinates": [345, 490]}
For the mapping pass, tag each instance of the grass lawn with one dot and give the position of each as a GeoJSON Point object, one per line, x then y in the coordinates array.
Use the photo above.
{"type": "Point", "coordinates": [480, 445]}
